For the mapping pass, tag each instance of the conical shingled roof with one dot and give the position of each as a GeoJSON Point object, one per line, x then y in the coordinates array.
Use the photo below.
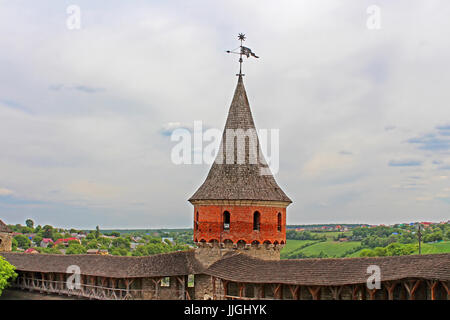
{"type": "Point", "coordinates": [4, 227]}
{"type": "Point", "coordinates": [233, 181]}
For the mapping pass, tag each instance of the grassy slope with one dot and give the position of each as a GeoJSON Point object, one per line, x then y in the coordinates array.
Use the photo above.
{"type": "Point", "coordinates": [330, 248]}
{"type": "Point", "coordinates": [332, 234]}
{"type": "Point", "coordinates": [292, 245]}
{"type": "Point", "coordinates": [439, 247]}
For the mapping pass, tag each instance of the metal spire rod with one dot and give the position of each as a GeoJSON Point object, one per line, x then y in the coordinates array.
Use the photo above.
{"type": "Point", "coordinates": [243, 51]}
{"type": "Point", "coordinates": [242, 38]}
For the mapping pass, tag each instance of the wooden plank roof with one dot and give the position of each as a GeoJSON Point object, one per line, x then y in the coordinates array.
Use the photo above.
{"type": "Point", "coordinates": [234, 181]}
{"type": "Point", "coordinates": [240, 267]}
{"type": "Point", "coordinates": [167, 264]}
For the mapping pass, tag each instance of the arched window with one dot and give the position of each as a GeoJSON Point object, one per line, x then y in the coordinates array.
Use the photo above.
{"type": "Point", "coordinates": [255, 243]}
{"type": "Point", "coordinates": [196, 221]}
{"type": "Point", "coordinates": [226, 220]}
{"type": "Point", "coordinates": [279, 221]}
{"type": "Point", "coordinates": [256, 221]}
{"type": "Point", "coordinates": [266, 243]}
{"type": "Point", "coordinates": [241, 244]}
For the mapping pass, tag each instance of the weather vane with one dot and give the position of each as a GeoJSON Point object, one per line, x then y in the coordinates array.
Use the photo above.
{"type": "Point", "coordinates": [243, 51]}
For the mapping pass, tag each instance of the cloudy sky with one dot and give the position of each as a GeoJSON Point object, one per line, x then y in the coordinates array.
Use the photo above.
{"type": "Point", "coordinates": [86, 114]}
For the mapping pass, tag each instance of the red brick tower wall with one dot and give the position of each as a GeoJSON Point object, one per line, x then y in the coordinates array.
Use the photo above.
{"type": "Point", "coordinates": [209, 224]}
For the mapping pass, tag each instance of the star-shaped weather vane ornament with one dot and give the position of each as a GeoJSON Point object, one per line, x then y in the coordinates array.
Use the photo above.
{"type": "Point", "coordinates": [243, 51]}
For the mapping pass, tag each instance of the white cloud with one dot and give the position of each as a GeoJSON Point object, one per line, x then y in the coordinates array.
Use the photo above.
{"type": "Point", "coordinates": [326, 81]}
{"type": "Point", "coordinates": [5, 192]}
{"type": "Point", "coordinates": [327, 163]}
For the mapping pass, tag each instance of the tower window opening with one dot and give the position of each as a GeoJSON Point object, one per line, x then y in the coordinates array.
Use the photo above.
{"type": "Point", "coordinates": [279, 221]}
{"type": "Point", "coordinates": [196, 221]}
{"type": "Point", "coordinates": [256, 221]}
{"type": "Point", "coordinates": [226, 220]}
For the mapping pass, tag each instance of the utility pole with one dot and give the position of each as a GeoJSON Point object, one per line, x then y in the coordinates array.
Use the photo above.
{"type": "Point", "coordinates": [419, 235]}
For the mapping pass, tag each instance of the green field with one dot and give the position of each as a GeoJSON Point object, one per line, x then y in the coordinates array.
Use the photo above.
{"type": "Point", "coordinates": [330, 248]}
{"type": "Point", "coordinates": [439, 247]}
{"type": "Point", "coordinates": [332, 234]}
{"type": "Point", "coordinates": [293, 245]}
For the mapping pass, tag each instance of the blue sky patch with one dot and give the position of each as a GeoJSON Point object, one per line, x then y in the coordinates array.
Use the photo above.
{"type": "Point", "coordinates": [405, 163]}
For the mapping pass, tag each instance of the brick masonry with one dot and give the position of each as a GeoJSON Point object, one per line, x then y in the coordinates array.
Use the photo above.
{"type": "Point", "coordinates": [5, 241]}
{"type": "Point", "coordinates": [209, 224]}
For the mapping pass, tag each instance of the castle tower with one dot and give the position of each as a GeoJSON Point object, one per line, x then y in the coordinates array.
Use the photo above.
{"type": "Point", "coordinates": [5, 237]}
{"type": "Point", "coordinates": [240, 206]}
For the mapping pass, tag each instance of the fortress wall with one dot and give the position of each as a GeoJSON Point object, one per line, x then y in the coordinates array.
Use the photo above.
{"type": "Point", "coordinates": [5, 242]}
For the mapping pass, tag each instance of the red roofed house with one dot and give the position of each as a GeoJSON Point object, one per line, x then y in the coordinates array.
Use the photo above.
{"type": "Point", "coordinates": [45, 242]}
{"type": "Point", "coordinates": [66, 241]}
{"type": "Point", "coordinates": [31, 250]}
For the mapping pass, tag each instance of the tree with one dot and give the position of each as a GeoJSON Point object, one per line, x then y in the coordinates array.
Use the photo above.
{"type": "Point", "coordinates": [93, 244]}
{"type": "Point", "coordinates": [121, 243]}
{"type": "Point", "coordinates": [380, 252]}
{"type": "Point", "coordinates": [119, 252]}
{"type": "Point", "coordinates": [90, 236]}
{"type": "Point", "coordinates": [22, 241]}
{"type": "Point", "coordinates": [14, 244]}
{"type": "Point", "coordinates": [59, 246]}
{"type": "Point", "coordinates": [366, 253]}
{"type": "Point", "coordinates": [71, 242]}
{"type": "Point", "coordinates": [29, 223]}
{"type": "Point", "coordinates": [97, 232]}
{"type": "Point", "coordinates": [75, 248]}
{"type": "Point", "coordinates": [7, 273]}
{"type": "Point", "coordinates": [49, 250]}
{"type": "Point", "coordinates": [113, 234]}
{"type": "Point", "coordinates": [104, 241]}
{"type": "Point", "coordinates": [56, 235]}
{"type": "Point", "coordinates": [155, 240]}
{"type": "Point", "coordinates": [140, 251]}
{"type": "Point", "coordinates": [37, 239]}
{"type": "Point", "coordinates": [48, 231]}
{"type": "Point", "coordinates": [155, 248]}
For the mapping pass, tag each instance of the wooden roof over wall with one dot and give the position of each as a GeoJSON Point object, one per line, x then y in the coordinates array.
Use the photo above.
{"type": "Point", "coordinates": [167, 264]}
{"type": "Point", "coordinates": [240, 267]}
